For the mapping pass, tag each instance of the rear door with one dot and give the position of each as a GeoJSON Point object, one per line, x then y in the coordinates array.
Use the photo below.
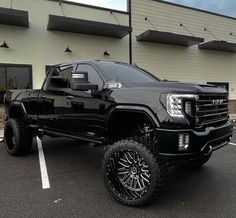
{"type": "Point", "coordinates": [51, 101]}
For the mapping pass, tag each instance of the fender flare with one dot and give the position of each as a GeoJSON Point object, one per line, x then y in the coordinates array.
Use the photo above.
{"type": "Point", "coordinates": [137, 108]}
{"type": "Point", "coordinates": [19, 105]}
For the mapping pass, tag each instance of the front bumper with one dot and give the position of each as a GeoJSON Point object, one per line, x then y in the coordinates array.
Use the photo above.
{"type": "Point", "coordinates": [201, 143]}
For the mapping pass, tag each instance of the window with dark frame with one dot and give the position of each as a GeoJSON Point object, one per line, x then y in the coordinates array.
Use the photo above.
{"type": "Point", "coordinates": [93, 76]}
{"type": "Point", "coordinates": [14, 76]}
{"type": "Point", "coordinates": [60, 78]}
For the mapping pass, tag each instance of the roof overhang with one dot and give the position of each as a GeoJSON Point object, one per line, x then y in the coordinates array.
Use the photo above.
{"type": "Point", "coordinates": [74, 25]}
{"type": "Point", "coordinates": [14, 17]}
{"type": "Point", "coordinates": [169, 38]}
{"type": "Point", "coordinates": [218, 45]}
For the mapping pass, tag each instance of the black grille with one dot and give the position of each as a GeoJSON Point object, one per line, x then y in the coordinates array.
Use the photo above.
{"type": "Point", "coordinates": [211, 108]}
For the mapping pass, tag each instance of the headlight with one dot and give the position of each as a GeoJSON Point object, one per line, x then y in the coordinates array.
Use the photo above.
{"type": "Point", "coordinates": [175, 104]}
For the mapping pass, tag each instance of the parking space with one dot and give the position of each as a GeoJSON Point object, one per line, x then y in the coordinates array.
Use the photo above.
{"type": "Point", "coordinates": [77, 190]}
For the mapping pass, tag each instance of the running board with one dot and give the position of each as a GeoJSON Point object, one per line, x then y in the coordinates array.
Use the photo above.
{"type": "Point", "coordinates": [97, 141]}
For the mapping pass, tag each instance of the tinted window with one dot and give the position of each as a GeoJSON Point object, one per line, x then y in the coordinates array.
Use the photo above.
{"type": "Point", "coordinates": [60, 78]}
{"type": "Point", "coordinates": [124, 73]}
{"type": "Point", "coordinates": [93, 76]}
{"type": "Point", "coordinates": [2, 83]}
{"type": "Point", "coordinates": [14, 77]}
{"type": "Point", "coordinates": [2, 79]}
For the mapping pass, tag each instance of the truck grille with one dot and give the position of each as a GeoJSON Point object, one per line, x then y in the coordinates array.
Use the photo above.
{"type": "Point", "coordinates": [211, 108]}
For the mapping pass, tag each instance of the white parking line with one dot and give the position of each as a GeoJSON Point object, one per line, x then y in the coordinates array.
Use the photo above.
{"type": "Point", "coordinates": [232, 143]}
{"type": "Point", "coordinates": [42, 164]}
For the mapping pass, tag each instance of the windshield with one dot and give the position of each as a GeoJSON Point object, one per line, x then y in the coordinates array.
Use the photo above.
{"type": "Point", "coordinates": [124, 73]}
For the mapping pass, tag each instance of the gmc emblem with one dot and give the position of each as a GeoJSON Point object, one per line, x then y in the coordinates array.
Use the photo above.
{"type": "Point", "coordinates": [218, 102]}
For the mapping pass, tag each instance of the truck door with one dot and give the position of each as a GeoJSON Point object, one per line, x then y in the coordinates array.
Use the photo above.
{"type": "Point", "coordinates": [51, 100]}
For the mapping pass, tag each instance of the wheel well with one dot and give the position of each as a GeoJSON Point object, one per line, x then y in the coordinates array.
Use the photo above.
{"type": "Point", "coordinates": [15, 112]}
{"type": "Point", "coordinates": [124, 124]}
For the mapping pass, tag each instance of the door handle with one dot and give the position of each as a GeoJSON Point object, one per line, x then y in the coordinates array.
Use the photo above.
{"type": "Point", "coordinates": [70, 97]}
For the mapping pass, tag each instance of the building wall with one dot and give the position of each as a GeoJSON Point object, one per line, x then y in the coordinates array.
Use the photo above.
{"type": "Point", "coordinates": [39, 47]}
{"type": "Point", "coordinates": [180, 63]}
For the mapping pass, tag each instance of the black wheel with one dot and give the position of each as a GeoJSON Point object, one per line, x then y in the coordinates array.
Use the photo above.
{"type": "Point", "coordinates": [17, 137]}
{"type": "Point", "coordinates": [197, 163]}
{"type": "Point", "coordinates": [132, 174]}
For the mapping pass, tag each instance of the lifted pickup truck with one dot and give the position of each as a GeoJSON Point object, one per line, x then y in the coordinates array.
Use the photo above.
{"type": "Point", "coordinates": [145, 124]}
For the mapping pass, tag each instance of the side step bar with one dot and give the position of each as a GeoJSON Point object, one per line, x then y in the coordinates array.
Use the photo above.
{"type": "Point", "coordinates": [83, 138]}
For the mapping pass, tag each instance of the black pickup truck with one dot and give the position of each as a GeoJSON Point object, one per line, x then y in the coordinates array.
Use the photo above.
{"type": "Point", "coordinates": [144, 123]}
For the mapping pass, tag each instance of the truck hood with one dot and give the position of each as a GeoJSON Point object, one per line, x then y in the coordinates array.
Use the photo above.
{"type": "Point", "coordinates": [149, 93]}
{"type": "Point", "coordinates": [176, 87]}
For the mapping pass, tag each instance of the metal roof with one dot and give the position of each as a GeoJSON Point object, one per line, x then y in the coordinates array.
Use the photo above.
{"type": "Point", "coordinates": [218, 45]}
{"type": "Point", "coordinates": [14, 17]}
{"type": "Point", "coordinates": [74, 25]}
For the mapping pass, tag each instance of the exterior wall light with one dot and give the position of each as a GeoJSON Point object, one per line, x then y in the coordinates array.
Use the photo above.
{"type": "Point", "coordinates": [4, 45]}
{"type": "Point", "coordinates": [68, 50]}
{"type": "Point", "coordinates": [106, 53]}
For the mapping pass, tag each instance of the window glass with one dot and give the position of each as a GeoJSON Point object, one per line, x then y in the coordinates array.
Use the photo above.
{"type": "Point", "coordinates": [18, 78]}
{"type": "Point", "coordinates": [2, 83]}
{"type": "Point", "coordinates": [60, 78]}
{"type": "Point", "coordinates": [124, 73]}
{"type": "Point", "coordinates": [14, 77]}
{"type": "Point", "coordinates": [93, 76]}
{"type": "Point", "coordinates": [2, 79]}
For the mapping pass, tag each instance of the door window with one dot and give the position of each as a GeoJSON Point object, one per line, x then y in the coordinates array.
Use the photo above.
{"type": "Point", "coordinates": [93, 76]}
{"type": "Point", "coordinates": [60, 78]}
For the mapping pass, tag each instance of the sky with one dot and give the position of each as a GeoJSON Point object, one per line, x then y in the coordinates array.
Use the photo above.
{"type": "Point", "coordinates": [113, 4]}
{"type": "Point", "coordinates": [226, 7]}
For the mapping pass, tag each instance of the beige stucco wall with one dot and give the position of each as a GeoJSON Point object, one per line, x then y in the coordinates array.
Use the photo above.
{"type": "Point", "coordinates": [180, 63]}
{"type": "Point", "coordinates": [39, 47]}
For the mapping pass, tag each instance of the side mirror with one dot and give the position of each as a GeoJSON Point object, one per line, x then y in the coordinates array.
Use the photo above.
{"type": "Point", "coordinates": [79, 81]}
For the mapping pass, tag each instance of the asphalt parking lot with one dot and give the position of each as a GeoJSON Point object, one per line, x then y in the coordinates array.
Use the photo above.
{"type": "Point", "coordinates": [75, 187]}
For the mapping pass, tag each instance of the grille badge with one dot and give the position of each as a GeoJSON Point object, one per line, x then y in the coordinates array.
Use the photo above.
{"type": "Point", "coordinates": [218, 102]}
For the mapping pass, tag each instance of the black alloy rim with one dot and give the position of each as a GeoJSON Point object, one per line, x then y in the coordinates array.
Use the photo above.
{"type": "Point", "coordinates": [128, 174]}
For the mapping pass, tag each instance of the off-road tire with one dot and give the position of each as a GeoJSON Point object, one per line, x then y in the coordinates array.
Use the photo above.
{"type": "Point", "coordinates": [17, 137]}
{"type": "Point", "coordinates": [110, 168]}
{"type": "Point", "coordinates": [197, 163]}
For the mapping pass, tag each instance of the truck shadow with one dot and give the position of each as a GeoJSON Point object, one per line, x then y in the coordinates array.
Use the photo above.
{"type": "Point", "coordinates": [70, 157]}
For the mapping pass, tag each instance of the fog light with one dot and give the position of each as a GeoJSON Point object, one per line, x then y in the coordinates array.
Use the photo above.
{"type": "Point", "coordinates": [183, 142]}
